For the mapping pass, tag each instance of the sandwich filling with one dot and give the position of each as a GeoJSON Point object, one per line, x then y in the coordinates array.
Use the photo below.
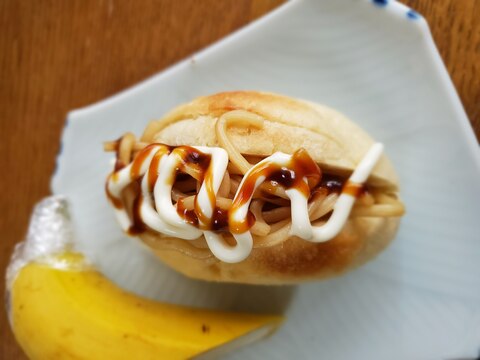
{"type": "Point", "coordinates": [237, 203]}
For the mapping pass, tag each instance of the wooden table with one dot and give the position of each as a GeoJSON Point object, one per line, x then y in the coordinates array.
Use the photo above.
{"type": "Point", "coordinates": [60, 55]}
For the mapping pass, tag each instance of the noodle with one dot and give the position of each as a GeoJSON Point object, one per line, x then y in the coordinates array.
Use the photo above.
{"type": "Point", "coordinates": [233, 169]}
{"type": "Point", "coordinates": [281, 230]}
{"type": "Point", "coordinates": [366, 199]}
{"type": "Point", "coordinates": [276, 214]}
{"type": "Point", "coordinates": [240, 117]}
{"type": "Point", "coordinates": [193, 171]}
{"type": "Point", "coordinates": [188, 202]}
{"type": "Point", "coordinates": [177, 195]}
{"type": "Point", "coordinates": [269, 188]}
{"type": "Point", "coordinates": [237, 160]}
{"type": "Point", "coordinates": [279, 234]}
{"type": "Point", "coordinates": [260, 227]}
{"type": "Point", "coordinates": [125, 148]}
{"type": "Point", "coordinates": [316, 203]}
{"type": "Point", "coordinates": [379, 210]}
{"type": "Point", "coordinates": [385, 198]}
{"type": "Point", "coordinates": [181, 246]}
{"type": "Point", "coordinates": [276, 201]}
{"type": "Point", "coordinates": [384, 206]}
{"type": "Point", "coordinates": [109, 146]}
{"type": "Point", "coordinates": [326, 206]}
{"type": "Point", "coordinates": [276, 226]}
{"type": "Point", "coordinates": [186, 185]}
{"type": "Point", "coordinates": [234, 184]}
{"type": "Point", "coordinates": [253, 159]}
{"type": "Point", "coordinates": [224, 189]}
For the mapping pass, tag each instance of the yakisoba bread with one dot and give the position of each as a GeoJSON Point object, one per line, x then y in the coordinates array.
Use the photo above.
{"type": "Point", "coordinates": [257, 188]}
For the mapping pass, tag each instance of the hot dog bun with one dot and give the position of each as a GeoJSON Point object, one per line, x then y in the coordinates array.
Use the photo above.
{"type": "Point", "coordinates": [332, 140]}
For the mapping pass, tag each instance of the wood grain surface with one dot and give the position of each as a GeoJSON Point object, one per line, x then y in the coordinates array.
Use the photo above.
{"type": "Point", "coordinates": [59, 55]}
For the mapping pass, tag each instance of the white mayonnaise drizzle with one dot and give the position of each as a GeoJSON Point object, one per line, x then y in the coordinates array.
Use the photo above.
{"type": "Point", "coordinates": [164, 218]}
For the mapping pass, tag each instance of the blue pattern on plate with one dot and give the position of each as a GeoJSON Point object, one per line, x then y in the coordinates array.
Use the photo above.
{"type": "Point", "coordinates": [412, 14]}
{"type": "Point", "coordinates": [380, 2]}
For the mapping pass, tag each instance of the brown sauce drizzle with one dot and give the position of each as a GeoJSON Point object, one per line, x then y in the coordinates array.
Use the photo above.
{"type": "Point", "coordinates": [353, 189]}
{"type": "Point", "coordinates": [283, 177]}
{"type": "Point", "coordinates": [119, 165]}
{"type": "Point", "coordinates": [182, 177]}
{"type": "Point", "coordinates": [194, 162]}
{"type": "Point", "coordinates": [117, 203]}
{"type": "Point", "coordinates": [338, 185]}
{"type": "Point", "coordinates": [239, 227]}
{"type": "Point", "coordinates": [154, 164]}
{"type": "Point", "coordinates": [203, 171]}
{"type": "Point", "coordinates": [134, 170]}
{"type": "Point", "coordinates": [187, 214]}
{"type": "Point", "coordinates": [219, 220]}
{"type": "Point", "coordinates": [208, 181]}
{"type": "Point", "coordinates": [138, 161]}
{"type": "Point", "coordinates": [153, 170]}
{"type": "Point", "coordinates": [138, 226]}
{"type": "Point", "coordinates": [197, 164]}
{"type": "Point", "coordinates": [333, 184]}
{"type": "Point", "coordinates": [290, 176]}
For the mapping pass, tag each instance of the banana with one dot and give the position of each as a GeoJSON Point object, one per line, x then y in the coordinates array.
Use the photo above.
{"type": "Point", "coordinates": [60, 307]}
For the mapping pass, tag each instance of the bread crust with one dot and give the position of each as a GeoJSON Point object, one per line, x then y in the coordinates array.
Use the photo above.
{"type": "Point", "coordinates": [293, 261]}
{"type": "Point", "coordinates": [331, 139]}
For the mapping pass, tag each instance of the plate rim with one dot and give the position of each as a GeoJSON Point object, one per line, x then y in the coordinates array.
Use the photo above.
{"type": "Point", "coordinates": [386, 8]}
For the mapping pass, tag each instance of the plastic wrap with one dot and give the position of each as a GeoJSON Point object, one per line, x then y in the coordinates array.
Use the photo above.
{"type": "Point", "coordinates": [49, 233]}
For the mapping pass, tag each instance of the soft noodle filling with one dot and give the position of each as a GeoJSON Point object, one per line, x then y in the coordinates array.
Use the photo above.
{"type": "Point", "coordinates": [270, 208]}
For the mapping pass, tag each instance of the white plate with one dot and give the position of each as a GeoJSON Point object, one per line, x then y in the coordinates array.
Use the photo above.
{"type": "Point", "coordinates": [376, 62]}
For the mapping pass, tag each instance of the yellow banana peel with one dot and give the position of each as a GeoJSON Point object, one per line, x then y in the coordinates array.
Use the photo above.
{"type": "Point", "coordinates": [62, 308]}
